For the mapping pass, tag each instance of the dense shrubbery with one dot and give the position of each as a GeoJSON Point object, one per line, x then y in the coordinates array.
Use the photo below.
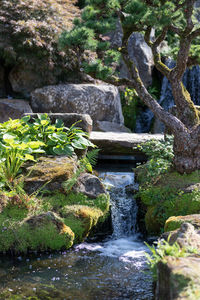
{"type": "Point", "coordinates": [162, 190]}
{"type": "Point", "coordinates": [160, 157]}
{"type": "Point", "coordinates": [30, 30]}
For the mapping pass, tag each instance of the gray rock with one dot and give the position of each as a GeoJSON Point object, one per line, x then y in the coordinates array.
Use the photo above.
{"type": "Point", "coordinates": [101, 102]}
{"type": "Point", "coordinates": [178, 278]}
{"type": "Point", "coordinates": [13, 108]}
{"type": "Point", "coordinates": [24, 79]}
{"type": "Point", "coordinates": [142, 55]}
{"type": "Point", "coordinates": [185, 236]}
{"type": "Point", "coordinates": [89, 185]}
{"type": "Point", "coordinates": [69, 119]}
{"type": "Point", "coordinates": [138, 51]}
{"type": "Point", "coordinates": [106, 126]}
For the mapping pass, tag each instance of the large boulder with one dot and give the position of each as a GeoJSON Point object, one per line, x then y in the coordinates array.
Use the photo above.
{"type": "Point", "coordinates": [29, 42]}
{"type": "Point", "coordinates": [186, 236]}
{"type": "Point", "coordinates": [138, 51]}
{"type": "Point", "coordinates": [101, 102]}
{"type": "Point", "coordinates": [142, 55]}
{"type": "Point", "coordinates": [26, 78]}
{"type": "Point", "coordinates": [178, 278]}
{"type": "Point", "coordinates": [13, 108]}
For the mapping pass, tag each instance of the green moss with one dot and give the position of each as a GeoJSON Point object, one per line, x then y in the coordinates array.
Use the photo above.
{"type": "Point", "coordinates": [43, 238]}
{"type": "Point", "coordinates": [15, 213]}
{"type": "Point", "coordinates": [18, 236]}
{"type": "Point", "coordinates": [175, 222]}
{"type": "Point", "coordinates": [58, 200]}
{"type": "Point", "coordinates": [81, 219]}
{"type": "Point", "coordinates": [168, 198]}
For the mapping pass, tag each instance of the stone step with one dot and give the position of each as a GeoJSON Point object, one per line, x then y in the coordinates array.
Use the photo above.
{"type": "Point", "coordinates": [120, 143]}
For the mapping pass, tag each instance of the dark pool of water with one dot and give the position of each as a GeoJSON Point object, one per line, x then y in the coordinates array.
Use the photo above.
{"type": "Point", "coordinates": [114, 269]}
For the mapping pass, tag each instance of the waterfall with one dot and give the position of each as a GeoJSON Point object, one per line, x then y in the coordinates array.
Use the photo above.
{"type": "Point", "coordinates": [123, 205]}
{"type": "Point", "coordinates": [191, 80]}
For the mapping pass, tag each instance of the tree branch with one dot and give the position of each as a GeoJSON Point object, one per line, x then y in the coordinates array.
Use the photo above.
{"type": "Point", "coordinates": [194, 34]}
{"type": "Point", "coordinates": [168, 119]}
{"type": "Point", "coordinates": [175, 29]}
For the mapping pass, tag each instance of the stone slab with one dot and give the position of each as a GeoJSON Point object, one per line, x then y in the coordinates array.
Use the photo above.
{"type": "Point", "coordinates": [120, 143]}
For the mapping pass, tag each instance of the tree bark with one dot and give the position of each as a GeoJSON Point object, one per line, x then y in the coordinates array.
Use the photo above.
{"type": "Point", "coordinates": [186, 152]}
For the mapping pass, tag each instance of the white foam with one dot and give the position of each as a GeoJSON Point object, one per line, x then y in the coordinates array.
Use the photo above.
{"type": "Point", "coordinates": [117, 179]}
{"type": "Point", "coordinates": [125, 249]}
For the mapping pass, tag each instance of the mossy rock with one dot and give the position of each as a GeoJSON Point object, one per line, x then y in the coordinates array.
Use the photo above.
{"type": "Point", "coordinates": [81, 219]}
{"type": "Point", "coordinates": [49, 172]}
{"type": "Point", "coordinates": [53, 222]}
{"type": "Point", "coordinates": [172, 195]}
{"type": "Point", "coordinates": [178, 278]}
{"type": "Point", "coordinates": [174, 223]}
{"type": "Point", "coordinates": [43, 232]}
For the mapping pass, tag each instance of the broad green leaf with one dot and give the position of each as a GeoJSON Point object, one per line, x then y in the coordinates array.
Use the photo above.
{"type": "Point", "coordinates": [36, 144]}
{"type": "Point", "coordinates": [25, 119]}
{"type": "Point", "coordinates": [8, 137]}
{"type": "Point", "coordinates": [44, 122]}
{"type": "Point", "coordinates": [78, 145]}
{"type": "Point", "coordinates": [29, 157]}
{"type": "Point", "coordinates": [59, 123]}
{"type": "Point", "coordinates": [66, 150]}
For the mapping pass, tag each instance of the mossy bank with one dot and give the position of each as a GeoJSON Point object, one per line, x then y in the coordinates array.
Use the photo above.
{"type": "Point", "coordinates": [171, 195]}
{"type": "Point", "coordinates": [53, 222]}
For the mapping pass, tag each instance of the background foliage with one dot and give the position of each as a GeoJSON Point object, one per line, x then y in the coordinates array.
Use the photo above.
{"type": "Point", "coordinates": [29, 30]}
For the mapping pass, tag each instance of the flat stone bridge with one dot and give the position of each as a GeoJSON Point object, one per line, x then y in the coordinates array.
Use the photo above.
{"type": "Point", "coordinates": [120, 143]}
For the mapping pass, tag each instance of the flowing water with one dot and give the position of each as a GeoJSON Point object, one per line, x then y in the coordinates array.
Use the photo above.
{"type": "Point", "coordinates": [111, 269]}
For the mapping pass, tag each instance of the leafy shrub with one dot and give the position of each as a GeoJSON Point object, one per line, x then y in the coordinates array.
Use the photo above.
{"type": "Point", "coordinates": [30, 31]}
{"type": "Point", "coordinates": [160, 154]}
{"type": "Point", "coordinates": [54, 139]}
{"type": "Point", "coordinates": [129, 101]}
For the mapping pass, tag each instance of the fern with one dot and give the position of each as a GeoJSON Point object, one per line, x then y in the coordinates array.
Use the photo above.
{"type": "Point", "coordinates": [85, 163]}
{"type": "Point", "coordinates": [90, 160]}
{"type": "Point", "coordinates": [92, 156]}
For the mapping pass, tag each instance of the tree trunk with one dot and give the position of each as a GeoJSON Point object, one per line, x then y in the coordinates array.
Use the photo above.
{"type": "Point", "coordinates": [186, 152]}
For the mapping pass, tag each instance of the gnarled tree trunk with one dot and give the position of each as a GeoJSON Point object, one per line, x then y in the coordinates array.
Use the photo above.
{"type": "Point", "coordinates": [186, 152]}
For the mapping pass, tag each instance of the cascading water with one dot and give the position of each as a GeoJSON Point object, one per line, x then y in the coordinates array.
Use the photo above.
{"type": "Point", "coordinates": [191, 80]}
{"type": "Point", "coordinates": [123, 206]}
{"type": "Point", "coordinates": [108, 270]}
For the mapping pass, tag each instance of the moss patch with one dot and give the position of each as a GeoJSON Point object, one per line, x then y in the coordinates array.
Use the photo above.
{"type": "Point", "coordinates": [81, 219]}
{"type": "Point", "coordinates": [50, 223]}
{"type": "Point", "coordinates": [174, 223]}
{"type": "Point", "coordinates": [21, 236]}
{"type": "Point", "coordinates": [170, 196]}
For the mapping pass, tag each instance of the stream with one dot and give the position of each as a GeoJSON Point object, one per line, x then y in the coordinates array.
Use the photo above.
{"type": "Point", "coordinates": [114, 268]}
